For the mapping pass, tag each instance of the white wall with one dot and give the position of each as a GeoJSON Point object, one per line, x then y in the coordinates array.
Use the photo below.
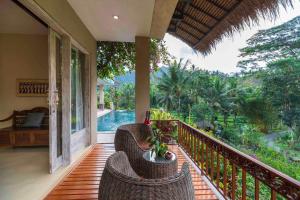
{"type": "Point", "coordinates": [21, 57]}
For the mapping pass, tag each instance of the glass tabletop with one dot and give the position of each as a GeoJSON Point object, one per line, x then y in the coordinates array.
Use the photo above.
{"type": "Point", "coordinates": [152, 158]}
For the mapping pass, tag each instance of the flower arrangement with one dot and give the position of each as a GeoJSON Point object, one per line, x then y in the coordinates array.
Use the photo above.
{"type": "Point", "coordinates": [169, 131]}
{"type": "Point", "coordinates": [158, 147]}
{"type": "Point", "coordinates": [147, 119]}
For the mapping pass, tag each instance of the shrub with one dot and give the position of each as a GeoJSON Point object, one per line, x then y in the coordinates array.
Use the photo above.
{"type": "Point", "coordinates": [160, 114]}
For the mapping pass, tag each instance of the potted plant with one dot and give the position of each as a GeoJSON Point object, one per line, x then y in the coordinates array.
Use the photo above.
{"type": "Point", "coordinates": [168, 131]}
{"type": "Point", "coordinates": [159, 148]}
{"type": "Point", "coordinates": [157, 140]}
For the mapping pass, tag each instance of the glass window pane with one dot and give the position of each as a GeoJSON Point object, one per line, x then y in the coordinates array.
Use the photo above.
{"type": "Point", "coordinates": [77, 85]}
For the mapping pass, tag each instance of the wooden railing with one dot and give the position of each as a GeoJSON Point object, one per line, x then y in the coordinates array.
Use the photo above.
{"type": "Point", "coordinates": [234, 174]}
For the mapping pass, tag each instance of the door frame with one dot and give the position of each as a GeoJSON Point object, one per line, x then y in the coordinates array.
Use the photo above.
{"type": "Point", "coordinates": [66, 100]}
{"type": "Point", "coordinates": [54, 161]}
{"type": "Point", "coordinates": [67, 41]}
{"type": "Point", "coordinates": [81, 139]}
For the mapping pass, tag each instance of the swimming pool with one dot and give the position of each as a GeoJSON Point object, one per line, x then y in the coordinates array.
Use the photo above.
{"type": "Point", "coordinates": [111, 121]}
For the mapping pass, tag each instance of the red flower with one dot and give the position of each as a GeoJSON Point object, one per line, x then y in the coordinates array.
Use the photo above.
{"type": "Point", "coordinates": [147, 122]}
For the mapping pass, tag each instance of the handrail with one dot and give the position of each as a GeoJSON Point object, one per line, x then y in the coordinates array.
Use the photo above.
{"type": "Point", "coordinates": [208, 153]}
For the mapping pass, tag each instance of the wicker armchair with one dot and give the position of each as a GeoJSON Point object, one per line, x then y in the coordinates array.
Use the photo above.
{"type": "Point", "coordinates": [132, 139]}
{"type": "Point", "coordinates": [120, 182]}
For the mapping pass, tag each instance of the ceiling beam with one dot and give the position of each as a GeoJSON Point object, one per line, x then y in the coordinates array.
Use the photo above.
{"type": "Point", "coordinates": [181, 38]}
{"type": "Point", "coordinates": [196, 20]}
{"type": "Point", "coordinates": [173, 30]}
{"type": "Point", "coordinates": [189, 33]}
{"type": "Point", "coordinates": [220, 20]}
{"type": "Point", "coordinates": [212, 2]}
{"type": "Point", "coordinates": [204, 12]}
{"type": "Point", "coordinates": [193, 27]}
{"type": "Point", "coordinates": [177, 17]}
{"type": "Point", "coordinates": [186, 4]}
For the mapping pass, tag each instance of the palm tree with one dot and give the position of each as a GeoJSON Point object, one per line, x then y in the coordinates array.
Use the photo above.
{"type": "Point", "coordinates": [216, 96]}
{"type": "Point", "coordinates": [172, 84]}
{"type": "Point", "coordinates": [127, 96]}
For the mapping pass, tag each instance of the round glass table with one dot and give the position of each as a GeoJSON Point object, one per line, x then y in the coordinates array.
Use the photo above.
{"type": "Point", "coordinates": [159, 167]}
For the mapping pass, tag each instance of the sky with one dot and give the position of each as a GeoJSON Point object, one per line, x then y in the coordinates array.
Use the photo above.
{"type": "Point", "coordinates": [225, 57]}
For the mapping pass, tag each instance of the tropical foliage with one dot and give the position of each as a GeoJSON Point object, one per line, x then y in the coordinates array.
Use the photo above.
{"type": "Point", "coordinates": [113, 58]}
{"type": "Point", "coordinates": [257, 110]}
{"type": "Point", "coordinates": [122, 97]}
{"type": "Point", "coordinates": [272, 44]}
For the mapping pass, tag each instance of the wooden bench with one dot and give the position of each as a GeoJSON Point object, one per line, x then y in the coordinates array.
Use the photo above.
{"type": "Point", "coordinates": [18, 136]}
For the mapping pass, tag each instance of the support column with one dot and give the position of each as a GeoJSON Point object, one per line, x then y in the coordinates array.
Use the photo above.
{"type": "Point", "coordinates": [101, 97]}
{"type": "Point", "coordinates": [142, 78]}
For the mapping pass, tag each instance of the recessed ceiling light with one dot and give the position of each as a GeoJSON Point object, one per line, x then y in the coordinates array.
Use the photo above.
{"type": "Point", "coordinates": [116, 17]}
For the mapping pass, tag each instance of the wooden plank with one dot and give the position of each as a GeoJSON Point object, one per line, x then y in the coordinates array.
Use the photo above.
{"type": "Point", "coordinates": [83, 182]}
{"type": "Point", "coordinates": [69, 197]}
{"type": "Point", "coordinates": [77, 187]}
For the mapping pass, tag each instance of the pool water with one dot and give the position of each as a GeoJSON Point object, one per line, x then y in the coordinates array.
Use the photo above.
{"type": "Point", "coordinates": [111, 121]}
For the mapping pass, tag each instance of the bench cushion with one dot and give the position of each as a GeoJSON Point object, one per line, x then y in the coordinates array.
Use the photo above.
{"type": "Point", "coordinates": [33, 120]}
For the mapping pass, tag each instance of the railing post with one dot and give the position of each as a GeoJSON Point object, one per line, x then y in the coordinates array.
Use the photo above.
{"type": "Point", "coordinates": [206, 159]}
{"type": "Point", "coordinates": [225, 178]}
{"type": "Point", "coordinates": [233, 187]}
{"type": "Point", "coordinates": [194, 146]}
{"type": "Point", "coordinates": [218, 170]}
{"type": "Point", "coordinates": [198, 149]}
{"type": "Point", "coordinates": [256, 183]}
{"type": "Point", "coordinates": [179, 132]}
{"type": "Point", "coordinates": [273, 194]}
{"type": "Point", "coordinates": [202, 154]}
{"type": "Point", "coordinates": [244, 185]}
{"type": "Point", "coordinates": [212, 164]}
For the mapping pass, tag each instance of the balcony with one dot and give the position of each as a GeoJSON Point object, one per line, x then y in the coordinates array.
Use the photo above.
{"type": "Point", "coordinates": [218, 171]}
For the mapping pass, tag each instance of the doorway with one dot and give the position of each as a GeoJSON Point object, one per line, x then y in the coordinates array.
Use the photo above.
{"type": "Point", "coordinates": [24, 71]}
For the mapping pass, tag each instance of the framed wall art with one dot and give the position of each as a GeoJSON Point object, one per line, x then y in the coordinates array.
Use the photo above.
{"type": "Point", "coordinates": [32, 87]}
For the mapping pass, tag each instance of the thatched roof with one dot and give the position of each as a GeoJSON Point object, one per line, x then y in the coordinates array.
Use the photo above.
{"type": "Point", "coordinates": [203, 23]}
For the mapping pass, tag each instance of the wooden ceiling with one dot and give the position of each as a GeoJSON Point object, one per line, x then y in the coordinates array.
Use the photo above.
{"type": "Point", "coordinates": [203, 23]}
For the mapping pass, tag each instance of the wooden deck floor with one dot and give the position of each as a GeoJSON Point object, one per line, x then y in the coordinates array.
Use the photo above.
{"type": "Point", "coordinates": [83, 181]}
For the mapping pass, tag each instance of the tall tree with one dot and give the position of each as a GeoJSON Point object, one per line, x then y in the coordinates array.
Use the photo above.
{"type": "Point", "coordinates": [114, 57]}
{"type": "Point", "coordinates": [272, 44]}
{"type": "Point", "coordinates": [172, 84]}
{"type": "Point", "coordinates": [281, 87]}
{"type": "Point", "coordinates": [127, 96]}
